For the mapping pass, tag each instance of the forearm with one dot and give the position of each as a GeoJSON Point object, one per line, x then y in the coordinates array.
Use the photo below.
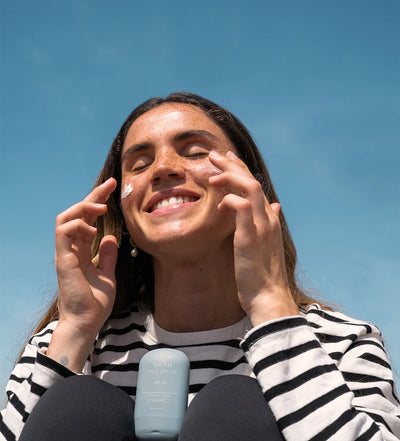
{"type": "Point", "coordinates": [305, 390]}
{"type": "Point", "coordinates": [33, 375]}
{"type": "Point", "coordinates": [70, 347]}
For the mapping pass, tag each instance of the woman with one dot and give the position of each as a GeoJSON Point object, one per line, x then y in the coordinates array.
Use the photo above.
{"type": "Point", "coordinates": [182, 243]}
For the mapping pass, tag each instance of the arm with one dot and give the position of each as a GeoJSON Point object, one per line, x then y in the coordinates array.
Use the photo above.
{"type": "Point", "coordinates": [31, 377]}
{"type": "Point", "coordinates": [315, 397]}
{"type": "Point", "coordinates": [86, 297]}
{"type": "Point", "coordinates": [86, 292]}
{"type": "Point", "coordinates": [311, 396]}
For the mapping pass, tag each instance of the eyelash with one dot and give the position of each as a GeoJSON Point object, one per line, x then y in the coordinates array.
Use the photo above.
{"type": "Point", "coordinates": [198, 154]}
{"type": "Point", "coordinates": [140, 167]}
{"type": "Point", "coordinates": [193, 155]}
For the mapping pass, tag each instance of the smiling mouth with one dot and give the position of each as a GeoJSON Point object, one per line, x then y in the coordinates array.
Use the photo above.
{"type": "Point", "coordinates": [173, 200]}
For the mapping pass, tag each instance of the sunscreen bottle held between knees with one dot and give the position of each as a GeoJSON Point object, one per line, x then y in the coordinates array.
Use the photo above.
{"type": "Point", "coordinates": [161, 395]}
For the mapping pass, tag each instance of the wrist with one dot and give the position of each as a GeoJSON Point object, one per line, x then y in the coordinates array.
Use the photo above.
{"type": "Point", "coordinates": [271, 309]}
{"type": "Point", "coordinates": [70, 346]}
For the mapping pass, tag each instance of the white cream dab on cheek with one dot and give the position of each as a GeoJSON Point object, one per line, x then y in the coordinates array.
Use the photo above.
{"type": "Point", "coordinates": [210, 169]}
{"type": "Point", "coordinates": [126, 190]}
{"type": "Point", "coordinates": [215, 171]}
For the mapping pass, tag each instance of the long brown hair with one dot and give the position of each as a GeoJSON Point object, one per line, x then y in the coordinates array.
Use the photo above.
{"type": "Point", "coordinates": [135, 279]}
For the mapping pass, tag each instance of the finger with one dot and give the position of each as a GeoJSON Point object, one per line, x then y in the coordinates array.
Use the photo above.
{"type": "Point", "coordinates": [101, 193]}
{"type": "Point", "coordinates": [75, 230]}
{"type": "Point", "coordinates": [246, 187]}
{"type": "Point", "coordinates": [237, 173]}
{"type": "Point", "coordinates": [89, 211]}
{"type": "Point", "coordinates": [108, 253]}
{"type": "Point", "coordinates": [276, 208]}
{"type": "Point", "coordinates": [229, 161]}
{"type": "Point", "coordinates": [246, 230]}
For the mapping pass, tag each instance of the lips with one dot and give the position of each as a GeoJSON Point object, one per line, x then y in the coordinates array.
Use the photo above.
{"type": "Point", "coordinates": [170, 197]}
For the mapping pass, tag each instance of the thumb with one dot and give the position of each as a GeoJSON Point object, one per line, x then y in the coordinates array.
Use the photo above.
{"type": "Point", "coordinates": [108, 253]}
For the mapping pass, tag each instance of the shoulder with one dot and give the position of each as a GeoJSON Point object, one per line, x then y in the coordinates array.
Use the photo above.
{"type": "Point", "coordinates": [318, 318]}
{"type": "Point", "coordinates": [339, 333]}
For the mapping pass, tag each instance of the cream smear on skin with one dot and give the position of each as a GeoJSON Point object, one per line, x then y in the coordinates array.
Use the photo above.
{"type": "Point", "coordinates": [126, 190]}
{"type": "Point", "coordinates": [209, 169]}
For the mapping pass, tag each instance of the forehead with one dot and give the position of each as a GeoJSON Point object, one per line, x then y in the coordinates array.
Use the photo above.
{"type": "Point", "coordinates": [169, 119]}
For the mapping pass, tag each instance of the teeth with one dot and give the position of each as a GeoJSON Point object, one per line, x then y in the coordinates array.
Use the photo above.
{"type": "Point", "coordinates": [173, 201]}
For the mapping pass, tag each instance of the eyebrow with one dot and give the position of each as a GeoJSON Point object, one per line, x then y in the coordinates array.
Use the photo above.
{"type": "Point", "coordinates": [135, 148]}
{"type": "Point", "coordinates": [187, 134]}
{"type": "Point", "coordinates": [195, 134]}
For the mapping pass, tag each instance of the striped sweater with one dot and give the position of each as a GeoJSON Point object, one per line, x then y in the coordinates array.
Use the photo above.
{"type": "Point", "coordinates": [325, 376]}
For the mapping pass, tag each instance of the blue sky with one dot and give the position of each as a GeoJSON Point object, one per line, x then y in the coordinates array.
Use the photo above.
{"type": "Point", "coordinates": [315, 81]}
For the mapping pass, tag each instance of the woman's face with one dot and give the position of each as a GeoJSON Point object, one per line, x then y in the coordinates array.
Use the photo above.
{"type": "Point", "coordinates": [166, 196]}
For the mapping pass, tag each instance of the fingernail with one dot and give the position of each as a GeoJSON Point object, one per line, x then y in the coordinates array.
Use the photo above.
{"type": "Point", "coordinates": [231, 155]}
{"type": "Point", "coordinates": [214, 154]}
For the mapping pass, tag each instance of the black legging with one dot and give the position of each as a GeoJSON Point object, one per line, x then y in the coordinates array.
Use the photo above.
{"type": "Point", "coordinates": [84, 408]}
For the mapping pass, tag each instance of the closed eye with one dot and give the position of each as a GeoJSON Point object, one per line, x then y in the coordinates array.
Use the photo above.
{"type": "Point", "coordinates": [140, 164]}
{"type": "Point", "coordinates": [197, 155]}
{"type": "Point", "coordinates": [139, 167]}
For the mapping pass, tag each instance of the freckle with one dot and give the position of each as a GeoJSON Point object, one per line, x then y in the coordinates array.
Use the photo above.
{"type": "Point", "coordinates": [126, 191]}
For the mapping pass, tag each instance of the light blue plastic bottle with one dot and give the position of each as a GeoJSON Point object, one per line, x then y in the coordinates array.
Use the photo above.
{"type": "Point", "coordinates": [162, 393]}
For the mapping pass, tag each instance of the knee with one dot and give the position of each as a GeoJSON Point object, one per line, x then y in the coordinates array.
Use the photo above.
{"type": "Point", "coordinates": [230, 407]}
{"type": "Point", "coordinates": [233, 384]}
{"type": "Point", "coordinates": [86, 388]}
{"type": "Point", "coordinates": [83, 403]}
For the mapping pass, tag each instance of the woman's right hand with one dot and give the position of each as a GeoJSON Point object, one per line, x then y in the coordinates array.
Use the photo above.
{"type": "Point", "coordinates": [86, 292]}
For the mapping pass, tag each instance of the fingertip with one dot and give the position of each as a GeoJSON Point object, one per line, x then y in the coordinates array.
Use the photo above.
{"type": "Point", "coordinates": [231, 155]}
{"type": "Point", "coordinates": [223, 206]}
{"type": "Point", "coordinates": [108, 245]}
{"type": "Point", "coordinates": [214, 155]}
{"type": "Point", "coordinates": [112, 182]}
{"type": "Point", "coordinates": [109, 238]}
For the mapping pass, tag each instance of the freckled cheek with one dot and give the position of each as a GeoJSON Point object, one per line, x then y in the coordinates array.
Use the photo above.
{"type": "Point", "coordinates": [205, 171]}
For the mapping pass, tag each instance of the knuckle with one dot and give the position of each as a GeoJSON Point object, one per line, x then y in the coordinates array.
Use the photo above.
{"type": "Point", "coordinates": [255, 186]}
{"type": "Point", "coordinates": [244, 205]}
{"type": "Point", "coordinates": [59, 230]}
{"type": "Point", "coordinates": [60, 219]}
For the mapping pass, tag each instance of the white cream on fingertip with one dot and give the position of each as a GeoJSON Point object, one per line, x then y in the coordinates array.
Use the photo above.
{"type": "Point", "coordinates": [126, 190]}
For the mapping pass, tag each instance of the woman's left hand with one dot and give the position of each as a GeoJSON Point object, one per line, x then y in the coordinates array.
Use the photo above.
{"type": "Point", "coordinates": [261, 277]}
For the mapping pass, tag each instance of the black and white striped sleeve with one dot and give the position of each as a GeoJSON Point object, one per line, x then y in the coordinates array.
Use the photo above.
{"type": "Point", "coordinates": [31, 377]}
{"type": "Point", "coordinates": [321, 392]}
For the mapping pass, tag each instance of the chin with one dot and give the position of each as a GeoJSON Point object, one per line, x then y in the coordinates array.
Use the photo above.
{"type": "Point", "coordinates": [181, 241]}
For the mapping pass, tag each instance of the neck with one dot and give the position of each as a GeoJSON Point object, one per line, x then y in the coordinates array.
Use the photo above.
{"type": "Point", "coordinates": [196, 293]}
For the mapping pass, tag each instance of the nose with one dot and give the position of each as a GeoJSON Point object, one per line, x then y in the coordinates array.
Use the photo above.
{"type": "Point", "coordinates": [167, 165]}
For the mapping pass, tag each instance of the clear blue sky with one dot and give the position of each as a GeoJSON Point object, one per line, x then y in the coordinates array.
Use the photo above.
{"type": "Point", "coordinates": [315, 81]}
